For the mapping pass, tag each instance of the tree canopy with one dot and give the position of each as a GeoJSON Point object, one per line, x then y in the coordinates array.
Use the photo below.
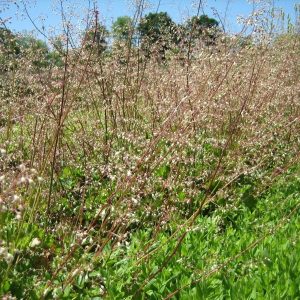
{"type": "Point", "coordinates": [122, 28]}
{"type": "Point", "coordinates": [155, 31]}
{"type": "Point", "coordinates": [15, 46]}
{"type": "Point", "coordinates": [95, 39]}
{"type": "Point", "coordinates": [201, 27]}
{"type": "Point", "coordinates": [157, 27]}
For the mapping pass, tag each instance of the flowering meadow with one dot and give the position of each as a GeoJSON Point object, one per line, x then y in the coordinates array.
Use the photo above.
{"type": "Point", "coordinates": [150, 163]}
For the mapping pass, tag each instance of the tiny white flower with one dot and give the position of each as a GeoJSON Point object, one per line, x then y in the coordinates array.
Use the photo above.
{"type": "Point", "coordinates": [85, 241]}
{"type": "Point", "coordinates": [15, 198]}
{"type": "Point", "coordinates": [103, 214]}
{"type": "Point", "coordinates": [46, 292]}
{"type": "Point", "coordinates": [134, 201]}
{"type": "Point", "coordinates": [35, 242]}
{"type": "Point", "coordinates": [22, 180]}
{"type": "Point", "coordinates": [9, 258]}
{"type": "Point", "coordinates": [22, 167]}
{"type": "Point", "coordinates": [2, 151]}
{"type": "Point", "coordinates": [3, 251]}
{"type": "Point", "coordinates": [75, 272]}
{"type": "Point", "coordinates": [18, 215]}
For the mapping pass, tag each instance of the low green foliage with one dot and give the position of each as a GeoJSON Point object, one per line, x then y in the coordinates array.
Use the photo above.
{"type": "Point", "coordinates": [248, 252]}
{"type": "Point", "coordinates": [245, 253]}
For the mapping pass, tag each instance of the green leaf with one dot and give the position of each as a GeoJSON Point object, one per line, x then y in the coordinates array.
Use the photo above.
{"type": "Point", "coordinates": [163, 171]}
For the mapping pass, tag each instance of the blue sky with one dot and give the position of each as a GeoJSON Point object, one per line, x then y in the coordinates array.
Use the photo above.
{"type": "Point", "coordinates": [45, 12]}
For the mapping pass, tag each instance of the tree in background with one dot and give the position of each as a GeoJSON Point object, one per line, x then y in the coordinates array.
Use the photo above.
{"type": "Point", "coordinates": [201, 28]}
{"type": "Point", "coordinates": [95, 39]}
{"type": "Point", "coordinates": [16, 46]}
{"type": "Point", "coordinates": [122, 29]}
{"type": "Point", "coordinates": [157, 29]}
{"type": "Point", "coordinates": [36, 48]}
{"type": "Point", "coordinates": [9, 49]}
{"type": "Point", "coordinates": [58, 51]}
